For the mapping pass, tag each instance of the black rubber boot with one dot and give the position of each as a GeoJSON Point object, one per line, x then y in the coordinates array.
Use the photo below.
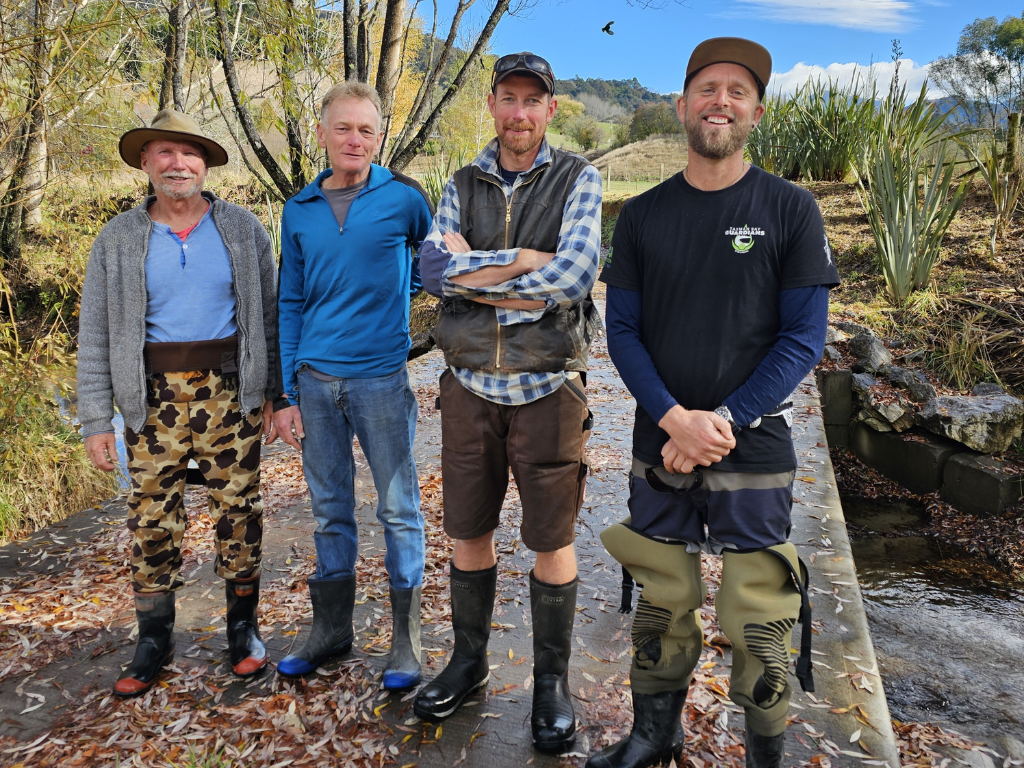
{"type": "Point", "coordinates": [553, 720]}
{"type": "Point", "coordinates": [467, 671]}
{"type": "Point", "coordinates": [403, 669]}
{"type": "Point", "coordinates": [155, 646]}
{"type": "Point", "coordinates": [656, 737]}
{"type": "Point", "coordinates": [332, 634]}
{"type": "Point", "coordinates": [765, 751]}
{"type": "Point", "coordinates": [245, 646]}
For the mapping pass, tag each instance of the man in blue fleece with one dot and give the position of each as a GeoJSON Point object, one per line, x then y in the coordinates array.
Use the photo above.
{"type": "Point", "coordinates": [348, 271]}
{"type": "Point", "coordinates": [718, 284]}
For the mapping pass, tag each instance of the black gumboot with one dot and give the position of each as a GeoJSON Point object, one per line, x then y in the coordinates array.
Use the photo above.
{"type": "Point", "coordinates": [467, 671]}
{"type": "Point", "coordinates": [656, 737]}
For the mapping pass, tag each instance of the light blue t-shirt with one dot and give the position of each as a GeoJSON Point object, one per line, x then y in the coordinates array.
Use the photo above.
{"type": "Point", "coordinates": [191, 295]}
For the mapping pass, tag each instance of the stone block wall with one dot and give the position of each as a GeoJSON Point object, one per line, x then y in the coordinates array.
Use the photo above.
{"type": "Point", "coordinates": [894, 420]}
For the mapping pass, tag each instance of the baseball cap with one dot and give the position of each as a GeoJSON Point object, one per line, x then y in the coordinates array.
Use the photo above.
{"type": "Point", "coordinates": [524, 63]}
{"type": "Point", "coordinates": [732, 50]}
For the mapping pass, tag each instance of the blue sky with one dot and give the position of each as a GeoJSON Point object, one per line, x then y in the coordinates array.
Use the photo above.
{"type": "Point", "coordinates": [653, 45]}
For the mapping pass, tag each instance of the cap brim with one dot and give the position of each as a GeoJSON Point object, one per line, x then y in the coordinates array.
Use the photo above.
{"type": "Point", "coordinates": [131, 144]}
{"type": "Point", "coordinates": [732, 50]}
{"type": "Point", "coordinates": [549, 82]}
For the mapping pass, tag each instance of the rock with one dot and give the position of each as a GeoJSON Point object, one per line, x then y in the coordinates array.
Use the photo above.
{"type": "Point", "coordinates": [987, 424]}
{"type": "Point", "coordinates": [875, 422]}
{"type": "Point", "coordinates": [421, 344]}
{"type": "Point", "coordinates": [832, 335]}
{"type": "Point", "coordinates": [900, 418]}
{"type": "Point", "coordinates": [832, 353]}
{"type": "Point", "coordinates": [987, 388]}
{"type": "Point", "coordinates": [852, 329]}
{"type": "Point", "coordinates": [870, 352]}
{"type": "Point", "coordinates": [914, 459]}
{"type": "Point", "coordinates": [916, 356]}
{"type": "Point", "coordinates": [980, 485]}
{"type": "Point", "coordinates": [921, 390]}
{"type": "Point", "coordinates": [862, 383]}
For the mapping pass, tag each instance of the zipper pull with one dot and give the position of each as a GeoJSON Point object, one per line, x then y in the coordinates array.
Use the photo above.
{"type": "Point", "coordinates": [508, 214]}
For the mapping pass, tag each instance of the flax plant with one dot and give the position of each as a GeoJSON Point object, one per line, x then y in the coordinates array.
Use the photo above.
{"type": "Point", "coordinates": [909, 208]}
{"type": "Point", "coordinates": [904, 183]}
{"type": "Point", "coordinates": [775, 145]}
{"type": "Point", "coordinates": [831, 122]}
{"type": "Point", "coordinates": [1004, 180]}
{"type": "Point", "coordinates": [438, 173]}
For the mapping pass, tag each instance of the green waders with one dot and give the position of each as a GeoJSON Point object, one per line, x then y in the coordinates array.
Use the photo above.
{"type": "Point", "coordinates": [758, 604]}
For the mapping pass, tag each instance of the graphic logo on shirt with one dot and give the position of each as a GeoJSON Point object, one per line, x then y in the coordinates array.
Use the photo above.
{"type": "Point", "coordinates": [743, 237]}
{"type": "Point", "coordinates": [828, 252]}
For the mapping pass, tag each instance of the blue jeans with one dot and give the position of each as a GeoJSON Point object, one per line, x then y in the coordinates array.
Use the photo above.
{"type": "Point", "coordinates": [381, 412]}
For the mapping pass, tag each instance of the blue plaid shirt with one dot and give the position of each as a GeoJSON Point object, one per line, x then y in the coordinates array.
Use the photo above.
{"type": "Point", "coordinates": [562, 282]}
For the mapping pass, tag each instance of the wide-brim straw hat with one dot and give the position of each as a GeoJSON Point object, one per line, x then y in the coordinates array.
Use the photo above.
{"type": "Point", "coordinates": [171, 125]}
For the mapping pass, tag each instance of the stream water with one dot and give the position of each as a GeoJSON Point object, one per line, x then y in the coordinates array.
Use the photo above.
{"type": "Point", "coordinates": [948, 628]}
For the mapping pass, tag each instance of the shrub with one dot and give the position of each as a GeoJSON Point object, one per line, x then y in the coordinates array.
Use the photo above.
{"type": "Point", "coordinates": [585, 131]}
{"type": "Point", "coordinates": [1005, 182]}
{"type": "Point", "coordinates": [568, 110]}
{"type": "Point", "coordinates": [650, 119]}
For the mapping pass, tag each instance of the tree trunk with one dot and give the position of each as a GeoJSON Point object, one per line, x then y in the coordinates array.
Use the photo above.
{"type": "Point", "coordinates": [291, 103]}
{"type": "Point", "coordinates": [179, 30]}
{"type": "Point", "coordinates": [35, 163]}
{"type": "Point", "coordinates": [426, 91]}
{"type": "Point", "coordinates": [1012, 143]}
{"type": "Point", "coordinates": [167, 80]}
{"type": "Point", "coordinates": [11, 208]}
{"type": "Point", "coordinates": [363, 43]}
{"type": "Point", "coordinates": [407, 153]}
{"type": "Point", "coordinates": [277, 174]}
{"type": "Point", "coordinates": [350, 25]}
{"type": "Point", "coordinates": [389, 68]}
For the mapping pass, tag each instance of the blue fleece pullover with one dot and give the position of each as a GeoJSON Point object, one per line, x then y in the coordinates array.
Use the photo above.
{"type": "Point", "coordinates": [344, 293]}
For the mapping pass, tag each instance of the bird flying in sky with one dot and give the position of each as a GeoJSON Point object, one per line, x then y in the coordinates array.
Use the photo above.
{"type": "Point", "coordinates": [608, 28]}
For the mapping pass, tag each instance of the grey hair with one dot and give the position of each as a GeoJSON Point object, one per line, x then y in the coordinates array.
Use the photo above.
{"type": "Point", "coordinates": [351, 89]}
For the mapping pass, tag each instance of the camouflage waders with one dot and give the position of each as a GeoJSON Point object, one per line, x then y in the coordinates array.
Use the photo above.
{"type": "Point", "coordinates": [194, 415]}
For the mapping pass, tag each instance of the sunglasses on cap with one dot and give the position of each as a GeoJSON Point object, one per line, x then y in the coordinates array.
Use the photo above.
{"type": "Point", "coordinates": [527, 61]}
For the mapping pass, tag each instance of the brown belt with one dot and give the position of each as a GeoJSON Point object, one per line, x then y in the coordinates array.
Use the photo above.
{"type": "Point", "coordinates": [164, 356]}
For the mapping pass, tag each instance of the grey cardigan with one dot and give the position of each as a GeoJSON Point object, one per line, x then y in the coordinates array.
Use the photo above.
{"type": "Point", "coordinates": [112, 319]}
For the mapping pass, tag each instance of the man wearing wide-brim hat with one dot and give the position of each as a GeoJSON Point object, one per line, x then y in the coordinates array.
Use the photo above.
{"type": "Point", "coordinates": [178, 328]}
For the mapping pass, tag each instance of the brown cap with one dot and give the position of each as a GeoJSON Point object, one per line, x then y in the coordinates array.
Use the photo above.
{"type": "Point", "coordinates": [172, 126]}
{"type": "Point", "coordinates": [732, 50]}
{"type": "Point", "coordinates": [524, 63]}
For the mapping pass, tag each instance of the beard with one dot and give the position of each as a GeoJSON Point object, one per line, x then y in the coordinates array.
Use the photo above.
{"type": "Point", "coordinates": [520, 145]}
{"type": "Point", "coordinates": [716, 143]}
{"type": "Point", "coordinates": [178, 192]}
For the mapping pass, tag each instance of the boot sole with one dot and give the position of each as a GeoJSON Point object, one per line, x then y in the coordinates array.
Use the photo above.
{"type": "Point", "coordinates": [429, 716]}
{"type": "Point", "coordinates": [555, 747]}
{"type": "Point", "coordinates": [135, 694]}
{"type": "Point", "coordinates": [338, 651]}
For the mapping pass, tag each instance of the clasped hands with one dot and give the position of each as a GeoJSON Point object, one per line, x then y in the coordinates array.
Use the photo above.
{"type": "Point", "coordinates": [695, 438]}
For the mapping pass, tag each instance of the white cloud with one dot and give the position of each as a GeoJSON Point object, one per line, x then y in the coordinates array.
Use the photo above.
{"type": "Point", "coordinates": [880, 73]}
{"type": "Point", "coordinates": [875, 15]}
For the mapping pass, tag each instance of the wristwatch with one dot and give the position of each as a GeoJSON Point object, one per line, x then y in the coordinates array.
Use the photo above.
{"type": "Point", "coordinates": [726, 414]}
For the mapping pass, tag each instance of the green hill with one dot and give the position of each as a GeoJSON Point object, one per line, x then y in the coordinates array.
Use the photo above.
{"type": "Point", "coordinates": [628, 94]}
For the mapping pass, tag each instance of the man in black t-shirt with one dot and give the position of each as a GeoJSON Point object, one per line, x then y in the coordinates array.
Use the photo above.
{"type": "Point", "coordinates": [718, 284]}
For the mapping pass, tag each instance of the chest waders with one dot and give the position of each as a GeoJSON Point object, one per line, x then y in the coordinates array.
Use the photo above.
{"type": "Point", "coordinates": [762, 596]}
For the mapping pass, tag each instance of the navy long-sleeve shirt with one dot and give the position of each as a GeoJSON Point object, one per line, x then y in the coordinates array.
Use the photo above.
{"type": "Point", "coordinates": [803, 313]}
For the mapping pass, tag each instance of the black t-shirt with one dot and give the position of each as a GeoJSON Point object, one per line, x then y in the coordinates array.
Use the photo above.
{"type": "Point", "coordinates": [710, 266]}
